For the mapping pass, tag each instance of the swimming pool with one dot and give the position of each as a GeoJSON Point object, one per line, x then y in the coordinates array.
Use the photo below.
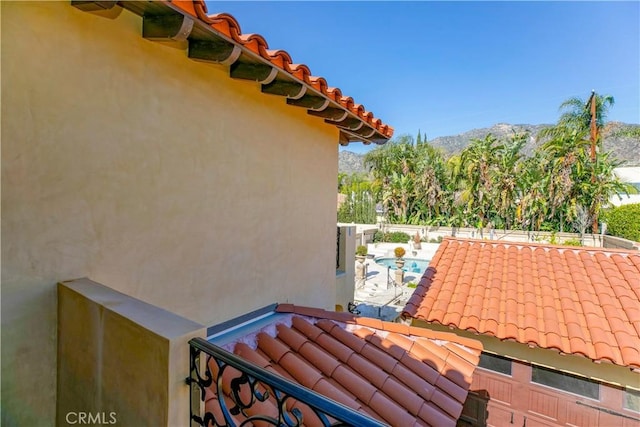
{"type": "Point", "coordinates": [411, 265]}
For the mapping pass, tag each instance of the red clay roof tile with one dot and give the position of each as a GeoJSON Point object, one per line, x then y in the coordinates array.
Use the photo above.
{"type": "Point", "coordinates": [272, 347]}
{"type": "Point", "coordinates": [435, 415]}
{"type": "Point", "coordinates": [320, 359]}
{"type": "Point", "coordinates": [417, 377]}
{"type": "Point", "coordinates": [329, 390]}
{"type": "Point", "coordinates": [419, 367]}
{"type": "Point", "coordinates": [369, 370]}
{"type": "Point", "coordinates": [227, 26]}
{"type": "Point", "coordinates": [419, 385]}
{"type": "Point", "coordinates": [301, 370]}
{"type": "Point", "coordinates": [574, 300]}
{"type": "Point", "coordinates": [360, 387]}
{"type": "Point", "coordinates": [379, 358]}
{"type": "Point", "coordinates": [390, 411]}
{"type": "Point", "coordinates": [334, 347]}
{"type": "Point", "coordinates": [443, 400]}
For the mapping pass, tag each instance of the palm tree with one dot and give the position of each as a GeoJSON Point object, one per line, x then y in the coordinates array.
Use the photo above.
{"type": "Point", "coordinates": [567, 161]}
{"type": "Point", "coordinates": [430, 171]}
{"type": "Point", "coordinates": [595, 194]}
{"type": "Point", "coordinates": [578, 112]}
{"type": "Point", "coordinates": [393, 168]}
{"type": "Point", "coordinates": [577, 117]}
{"type": "Point", "coordinates": [508, 178]}
{"type": "Point", "coordinates": [478, 174]}
{"type": "Point", "coordinates": [531, 200]}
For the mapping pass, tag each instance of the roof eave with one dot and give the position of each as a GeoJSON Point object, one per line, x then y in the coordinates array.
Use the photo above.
{"type": "Point", "coordinates": [247, 58]}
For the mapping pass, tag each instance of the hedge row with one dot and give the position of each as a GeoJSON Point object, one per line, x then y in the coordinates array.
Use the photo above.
{"type": "Point", "coordinates": [624, 221]}
{"type": "Point", "coordinates": [393, 237]}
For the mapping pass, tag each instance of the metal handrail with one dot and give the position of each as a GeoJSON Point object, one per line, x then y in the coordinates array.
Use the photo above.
{"type": "Point", "coordinates": [252, 376]}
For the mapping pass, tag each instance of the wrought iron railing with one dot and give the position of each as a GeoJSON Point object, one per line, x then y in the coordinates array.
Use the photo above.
{"type": "Point", "coordinates": [245, 390]}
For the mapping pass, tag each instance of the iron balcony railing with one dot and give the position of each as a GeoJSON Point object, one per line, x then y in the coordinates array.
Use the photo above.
{"type": "Point", "coordinates": [247, 387]}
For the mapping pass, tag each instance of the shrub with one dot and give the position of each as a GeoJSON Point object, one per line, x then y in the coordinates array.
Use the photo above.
{"type": "Point", "coordinates": [394, 237]}
{"type": "Point", "coordinates": [412, 285]}
{"type": "Point", "coordinates": [397, 237]}
{"type": "Point", "coordinates": [572, 242]}
{"type": "Point", "coordinates": [361, 250]}
{"type": "Point", "coordinates": [624, 221]}
{"type": "Point", "coordinates": [399, 251]}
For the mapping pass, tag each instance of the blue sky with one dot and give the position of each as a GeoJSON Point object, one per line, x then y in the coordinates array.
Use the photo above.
{"type": "Point", "coordinates": [448, 67]}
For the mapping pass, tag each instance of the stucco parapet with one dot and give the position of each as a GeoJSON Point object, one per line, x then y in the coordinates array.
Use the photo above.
{"type": "Point", "coordinates": [157, 320]}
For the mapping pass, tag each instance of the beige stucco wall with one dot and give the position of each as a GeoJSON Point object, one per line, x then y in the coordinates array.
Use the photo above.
{"type": "Point", "coordinates": [119, 359]}
{"type": "Point", "coordinates": [345, 273]}
{"type": "Point", "coordinates": [127, 163]}
{"type": "Point", "coordinates": [606, 372]}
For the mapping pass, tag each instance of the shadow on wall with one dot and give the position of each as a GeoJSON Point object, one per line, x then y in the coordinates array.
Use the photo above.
{"type": "Point", "coordinates": [475, 412]}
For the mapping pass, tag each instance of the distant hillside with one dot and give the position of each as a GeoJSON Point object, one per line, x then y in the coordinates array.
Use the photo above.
{"type": "Point", "coordinates": [349, 162]}
{"type": "Point", "coordinates": [622, 139]}
{"type": "Point", "coordinates": [454, 144]}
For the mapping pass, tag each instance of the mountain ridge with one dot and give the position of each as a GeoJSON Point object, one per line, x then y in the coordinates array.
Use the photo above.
{"type": "Point", "coordinates": [622, 139]}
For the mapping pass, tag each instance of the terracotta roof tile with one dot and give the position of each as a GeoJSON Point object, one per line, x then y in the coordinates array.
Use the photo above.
{"type": "Point", "coordinates": [379, 358]}
{"type": "Point", "coordinates": [582, 301]}
{"type": "Point", "coordinates": [227, 26]}
{"type": "Point", "coordinates": [399, 374]}
{"type": "Point", "coordinates": [329, 390]}
{"type": "Point", "coordinates": [390, 411]}
{"type": "Point", "coordinates": [444, 401]}
{"type": "Point", "coordinates": [418, 384]}
{"type": "Point", "coordinates": [435, 415]}
{"type": "Point", "coordinates": [320, 359]}
{"type": "Point", "coordinates": [360, 387]}
{"type": "Point", "coordinates": [272, 347]}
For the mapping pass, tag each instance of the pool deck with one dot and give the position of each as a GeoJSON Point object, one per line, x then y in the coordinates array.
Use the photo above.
{"type": "Point", "coordinates": [378, 296]}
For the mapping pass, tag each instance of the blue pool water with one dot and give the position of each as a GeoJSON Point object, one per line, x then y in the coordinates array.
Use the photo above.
{"type": "Point", "coordinates": [411, 265]}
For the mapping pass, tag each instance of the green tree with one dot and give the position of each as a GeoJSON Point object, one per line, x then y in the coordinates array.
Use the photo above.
{"type": "Point", "coordinates": [559, 187]}
{"type": "Point", "coordinates": [508, 179]}
{"type": "Point", "coordinates": [566, 155]}
{"type": "Point", "coordinates": [359, 202]}
{"type": "Point", "coordinates": [578, 178]}
{"type": "Point", "coordinates": [624, 221]}
{"type": "Point", "coordinates": [532, 203]}
{"type": "Point", "coordinates": [393, 169]}
{"type": "Point", "coordinates": [577, 112]}
{"type": "Point", "coordinates": [478, 174]}
{"type": "Point", "coordinates": [595, 193]}
{"type": "Point", "coordinates": [430, 192]}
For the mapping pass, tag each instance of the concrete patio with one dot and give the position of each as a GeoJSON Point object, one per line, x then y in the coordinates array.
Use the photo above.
{"type": "Point", "coordinates": [378, 296]}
